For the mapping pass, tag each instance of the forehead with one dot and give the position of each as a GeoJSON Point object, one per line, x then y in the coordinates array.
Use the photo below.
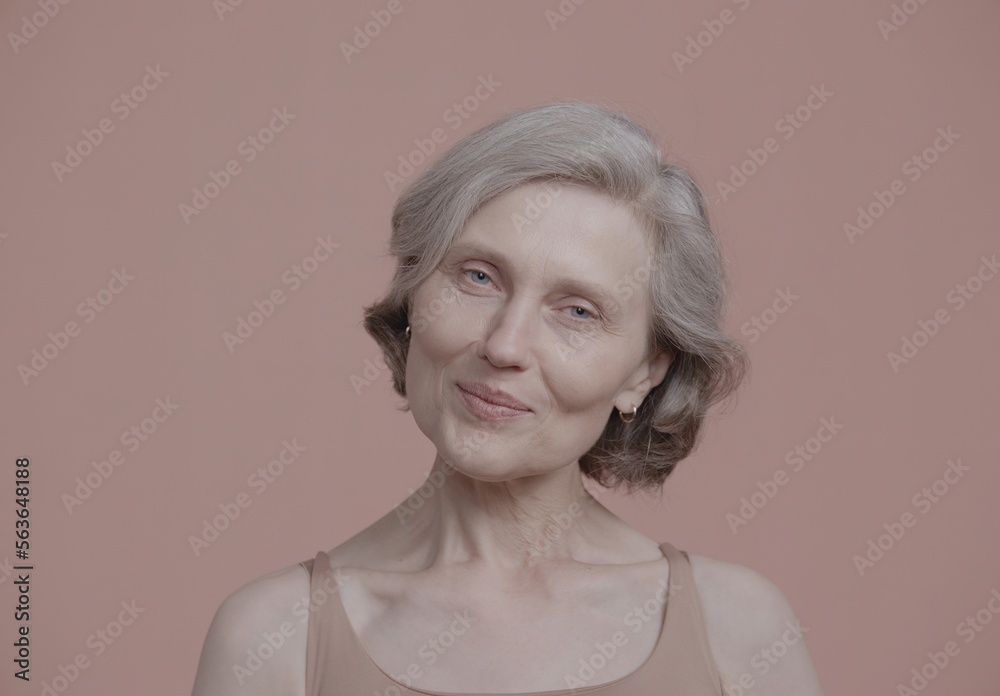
{"type": "Point", "coordinates": [559, 230]}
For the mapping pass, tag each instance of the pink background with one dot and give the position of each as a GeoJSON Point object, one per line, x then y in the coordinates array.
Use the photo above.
{"type": "Point", "coordinates": [323, 174]}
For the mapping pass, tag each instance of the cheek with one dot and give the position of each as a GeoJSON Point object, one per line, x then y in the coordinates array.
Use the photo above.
{"type": "Point", "coordinates": [582, 387]}
{"type": "Point", "coordinates": [445, 319]}
{"type": "Point", "coordinates": [434, 302]}
{"type": "Point", "coordinates": [439, 335]}
{"type": "Point", "coordinates": [422, 394]}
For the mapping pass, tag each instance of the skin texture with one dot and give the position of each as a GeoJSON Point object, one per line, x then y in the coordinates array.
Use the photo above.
{"type": "Point", "coordinates": [502, 309]}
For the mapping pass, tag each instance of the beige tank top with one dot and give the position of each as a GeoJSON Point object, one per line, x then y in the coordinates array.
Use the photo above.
{"type": "Point", "coordinates": [681, 663]}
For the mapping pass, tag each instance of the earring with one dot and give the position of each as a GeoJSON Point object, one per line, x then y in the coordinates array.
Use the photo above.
{"type": "Point", "coordinates": [635, 409]}
{"type": "Point", "coordinates": [407, 332]}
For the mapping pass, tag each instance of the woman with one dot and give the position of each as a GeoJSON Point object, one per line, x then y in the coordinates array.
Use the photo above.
{"type": "Point", "coordinates": [555, 313]}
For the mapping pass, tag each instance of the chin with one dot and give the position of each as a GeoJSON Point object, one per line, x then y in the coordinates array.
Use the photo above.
{"type": "Point", "coordinates": [493, 464]}
{"type": "Point", "coordinates": [478, 455]}
{"type": "Point", "coordinates": [478, 463]}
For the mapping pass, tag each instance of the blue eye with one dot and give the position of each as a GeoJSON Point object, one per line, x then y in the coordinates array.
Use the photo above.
{"type": "Point", "coordinates": [471, 273]}
{"type": "Point", "coordinates": [477, 272]}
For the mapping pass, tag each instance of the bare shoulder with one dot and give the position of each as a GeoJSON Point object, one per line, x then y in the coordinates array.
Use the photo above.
{"type": "Point", "coordinates": [256, 643]}
{"type": "Point", "coordinates": [756, 639]}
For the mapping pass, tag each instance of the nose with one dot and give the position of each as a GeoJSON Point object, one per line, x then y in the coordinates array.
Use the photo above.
{"type": "Point", "coordinates": [510, 332]}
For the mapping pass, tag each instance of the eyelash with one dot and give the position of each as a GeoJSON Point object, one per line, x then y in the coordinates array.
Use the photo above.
{"type": "Point", "coordinates": [594, 315]}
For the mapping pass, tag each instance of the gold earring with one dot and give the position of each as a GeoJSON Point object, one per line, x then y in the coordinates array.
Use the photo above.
{"type": "Point", "coordinates": [407, 332]}
{"type": "Point", "coordinates": [635, 409]}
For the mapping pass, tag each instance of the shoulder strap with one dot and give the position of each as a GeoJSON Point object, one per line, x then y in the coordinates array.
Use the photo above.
{"type": "Point", "coordinates": [687, 613]}
{"type": "Point", "coordinates": [321, 580]}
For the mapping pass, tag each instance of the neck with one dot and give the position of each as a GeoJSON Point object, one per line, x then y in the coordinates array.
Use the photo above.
{"type": "Point", "coordinates": [510, 527]}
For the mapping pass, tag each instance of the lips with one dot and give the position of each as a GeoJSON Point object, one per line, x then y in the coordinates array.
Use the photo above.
{"type": "Point", "coordinates": [493, 396]}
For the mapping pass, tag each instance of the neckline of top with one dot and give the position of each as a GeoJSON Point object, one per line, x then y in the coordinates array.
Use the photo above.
{"type": "Point", "coordinates": [674, 561]}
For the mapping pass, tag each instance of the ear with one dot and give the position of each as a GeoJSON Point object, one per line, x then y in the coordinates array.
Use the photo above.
{"type": "Point", "coordinates": [647, 376]}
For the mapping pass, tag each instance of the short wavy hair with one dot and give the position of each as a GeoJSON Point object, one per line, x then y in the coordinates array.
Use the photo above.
{"type": "Point", "coordinates": [610, 152]}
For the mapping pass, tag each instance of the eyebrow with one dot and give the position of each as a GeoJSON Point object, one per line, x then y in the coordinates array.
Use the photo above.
{"type": "Point", "coordinates": [574, 285]}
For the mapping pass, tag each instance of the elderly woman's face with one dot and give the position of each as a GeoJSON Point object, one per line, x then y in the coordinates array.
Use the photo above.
{"type": "Point", "coordinates": [543, 296]}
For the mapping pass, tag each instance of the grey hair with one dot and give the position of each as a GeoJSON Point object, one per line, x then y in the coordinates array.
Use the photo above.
{"type": "Point", "coordinates": [607, 150]}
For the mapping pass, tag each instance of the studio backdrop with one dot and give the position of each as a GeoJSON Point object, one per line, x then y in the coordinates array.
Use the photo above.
{"type": "Point", "coordinates": [195, 208]}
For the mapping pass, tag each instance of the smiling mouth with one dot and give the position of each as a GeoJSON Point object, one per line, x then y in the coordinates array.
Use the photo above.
{"type": "Point", "coordinates": [487, 409]}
